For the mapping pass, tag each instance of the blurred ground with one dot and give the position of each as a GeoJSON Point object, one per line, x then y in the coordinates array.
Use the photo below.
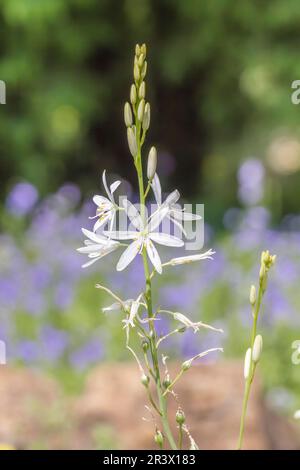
{"type": "Point", "coordinates": [35, 414]}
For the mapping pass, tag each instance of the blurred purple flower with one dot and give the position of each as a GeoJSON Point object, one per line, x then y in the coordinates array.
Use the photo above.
{"type": "Point", "coordinates": [54, 342]}
{"type": "Point", "coordinates": [251, 181]}
{"type": "Point", "coordinates": [63, 295]}
{"type": "Point", "coordinates": [28, 351]}
{"type": "Point", "coordinates": [21, 199]}
{"type": "Point", "coordinates": [88, 354]}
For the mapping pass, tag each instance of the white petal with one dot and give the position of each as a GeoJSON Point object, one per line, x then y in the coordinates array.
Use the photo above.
{"type": "Point", "coordinates": [156, 187]}
{"type": "Point", "coordinates": [165, 239]}
{"type": "Point", "coordinates": [153, 255]}
{"type": "Point", "coordinates": [129, 254]}
{"type": "Point", "coordinates": [178, 224]}
{"type": "Point", "coordinates": [105, 185]}
{"type": "Point", "coordinates": [114, 186]}
{"type": "Point", "coordinates": [100, 200]}
{"type": "Point", "coordinates": [172, 198]}
{"type": "Point", "coordinates": [121, 234]}
{"type": "Point", "coordinates": [89, 263]}
{"type": "Point", "coordinates": [155, 219]}
{"type": "Point", "coordinates": [90, 248]}
{"type": "Point", "coordinates": [182, 215]}
{"type": "Point", "coordinates": [189, 259]}
{"type": "Point", "coordinates": [102, 221]}
{"type": "Point", "coordinates": [95, 238]}
{"type": "Point", "coordinates": [133, 214]}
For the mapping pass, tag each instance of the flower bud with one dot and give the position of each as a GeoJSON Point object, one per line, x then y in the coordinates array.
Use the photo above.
{"type": "Point", "coordinates": [144, 49]}
{"type": "Point", "coordinates": [140, 111]}
{"type": "Point", "coordinates": [262, 272]}
{"type": "Point", "coordinates": [141, 60]}
{"type": "Point", "coordinates": [145, 346]}
{"type": "Point", "coordinates": [144, 70]}
{"type": "Point", "coordinates": [186, 365]}
{"type": "Point", "coordinates": [167, 382]}
{"type": "Point", "coordinates": [131, 141]}
{"type": "Point", "coordinates": [146, 118]}
{"type": "Point", "coordinates": [142, 90]}
{"type": "Point", "coordinates": [127, 115]}
{"type": "Point", "coordinates": [152, 163]}
{"type": "Point", "coordinates": [137, 49]}
{"type": "Point", "coordinates": [247, 363]}
{"type": "Point", "coordinates": [133, 94]}
{"type": "Point", "coordinates": [158, 438]}
{"type": "Point", "coordinates": [257, 348]}
{"type": "Point", "coordinates": [180, 417]}
{"type": "Point", "coordinates": [145, 380]}
{"type": "Point", "coordinates": [136, 72]}
{"type": "Point", "coordinates": [252, 296]}
{"type": "Point", "coordinates": [182, 329]}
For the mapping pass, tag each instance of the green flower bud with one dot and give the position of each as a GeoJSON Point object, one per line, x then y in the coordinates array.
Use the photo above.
{"type": "Point", "coordinates": [152, 163]}
{"type": "Point", "coordinates": [144, 70]}
{"type": "Point", "coordinates": [136, 72]}
{"type": "Point", "coordinates": [167, 382]}
{"type": "Point", "coordinates": [262, 272]}
{"type": "Point", "coordinates": [137, 49]}
{"type": "Point", "coordinates": [127, 115]}
{"type": "Point", "coordinates": [158, 438]}
{"type": "Point", "coordinates": [146, 118]}
{"type": "Point", "coordinates": [141, 60]}
{"type": "Point", "coordinates": [257, 348]}
{"type": "Point", "coordinates": [182, 329]}
{"type": "Point", "coordinates": [145, 346]}
{"type": "Point", "coordinates": [140, 111]}
{"type": "Point", "coordinates": [145, 380]}
{"type": "Point", "coordinates": [144, 49]}
{"type": "Point", "coordinates": [131, 141]}
{"type": "Point", "coordinates": [247, 363]}
{"type": "Point", "coordinates": [186, 365]}
{"type": "Point", "coordinates": [252, 296]}
{"type": "Point", "coordinates": [180, 417]}
{"type": "Point", "coordinates": [133, 94]}
{"type": "Point", "coordinates": [142, 90]}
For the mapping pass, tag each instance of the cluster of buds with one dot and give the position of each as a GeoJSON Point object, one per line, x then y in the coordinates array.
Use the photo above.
{"type": "Point", "coordinates": [137, 112]}
{"type": "Point", "coordinates": [253, 355]}
{"type": "Point", "coordinates": [267, 262]}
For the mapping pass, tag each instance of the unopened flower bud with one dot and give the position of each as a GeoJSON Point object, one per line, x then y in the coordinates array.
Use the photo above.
{"type": "Point", "coordinates": [167, 382]}
{"type": "Point", "coordinates": [252, 296]}
{"type": "Point", "coordinates": [158, 438]}
{"type": "Point", "coordinates": [262, 272]}
{"type": "Point", "coordinates": [131, 141]}
{"type": "Point", "coordinates": [141, 60]}
{"type": "Point", "coordinates": [257, 348]}
{"type": "Point", "coordinates": [144, 70]}
{"type": "Point", "coordinates": [145, 380]}
{"type": "Point", "coordinates": [186, 365]}
{"type": "Point", "coordinates": [152, 163]}
{"type": "Point", "coordinates": [127, 115]}
{"type": "Point", "coordinates": [182, 329]}
{"type": "Point", "coordinates": [145, 346]}
{"type": "Point", "coordinates": [142, 90]}
{"type": "Point", "coordinates": [133, 94]}
{"type": "Point", "coordinates": [137, 49]}
{"type": "Point", "coordinates": [146, 118]}
{"type": "Point", "coordinates": [136, 72]}
{"type": "Point", "coordinates": [247, 363]}
{"type": "Point", "coordinates": [180, 417]}
{"type": "Point", "coordinates": [144, 49]}
{"type": "Point", "coordinates": [140, 111]}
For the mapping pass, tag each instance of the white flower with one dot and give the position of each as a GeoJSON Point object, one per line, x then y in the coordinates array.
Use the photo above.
{"type": "Point", "coordinates": [194, 325]}
{"type": "Point", "coordinates": [143, 237]}
{"type": "Point", "coordinates": [175, 214]}
{"type": "Point", "coordinates": [107, 208]}
{"type": "Point", "coordinates": [126, 304]}
{"type": "Point", "coordinates": [190, 259]}
{"type": "Point", "coordinates": [96, 246]}
{"type": "Point", "coordinates": [134, 308]}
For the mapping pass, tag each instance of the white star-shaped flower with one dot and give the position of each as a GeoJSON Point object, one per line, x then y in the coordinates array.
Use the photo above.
{"type": "Point", "coordinates": [107, 207]}
{"type": "Point", "coordinates": [143, 237]}
{"type": "Point", "coordinates": [96, 246]}
{"type": "Point", "coordinates": [175, 214]}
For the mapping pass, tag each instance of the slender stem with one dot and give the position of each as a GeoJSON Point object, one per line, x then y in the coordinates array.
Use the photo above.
{"type": "Point", "coordinates": [180, 437]}
{"type": "Point", "coordinates": [148, 294]}
{"type": "Point", "coordinates": [252, 370]}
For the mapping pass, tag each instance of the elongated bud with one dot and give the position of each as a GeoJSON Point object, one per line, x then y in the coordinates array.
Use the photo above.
{"type": "Point", "coordinates": [141, 60]}
{"type": "Point", "coordinates": [137, 49]}
{"type": "Point", "coordinates": [186, 365]}
{"type": "Point", "coordinates": [247, 363]}
{"type": "Point", "coordinates": [159, 439]}
{"type": "Point", "coordinates": [144, 49]}
{"type": "Point", "coordinates": [140, 111]}
{"type": "Point", "coordinates": [133, 94]}
{"type": "Point", "coordinates": [146, 118]}
{"type": "Point", "coordinates": [257, 348]}
{"type": "Point", "coordinates": [167, 382]}
{"type": "Point", "coordinates": [152, 163]}
{"type": "Point", "coordinates": [142, 90]}
{"type": "Point", "coordinates": [136, 72]}
{"type": "Point", "coordinates": [127, 115]}
{"type": "Point", "coordinates": [252, 296]}
{"type": "Point", "coordinates": [145, 346]}
{"type": "Point", "coordinates": [145, 380]}
{"type": "Point", "coordinates": [131, 141]}
{"type": "Point", "coordinates": [144, 70]}
{"type": "Point", "coordinates": [180, 417]}
{"type": "Point", "coordinates": [262, 272]}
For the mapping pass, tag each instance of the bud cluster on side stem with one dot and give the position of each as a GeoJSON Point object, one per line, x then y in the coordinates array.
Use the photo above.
{"type": "Point", "coordinates": [254, 351]}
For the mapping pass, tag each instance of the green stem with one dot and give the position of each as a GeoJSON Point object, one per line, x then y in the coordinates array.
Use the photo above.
{"type": "Point", "coordinates": [252, 370]}
{"type": "Point", "coordinates": [148, 294]}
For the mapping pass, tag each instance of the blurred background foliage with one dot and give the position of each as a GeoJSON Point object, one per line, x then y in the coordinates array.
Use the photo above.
{"type": "Point", "coordinates": [219, 84]}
